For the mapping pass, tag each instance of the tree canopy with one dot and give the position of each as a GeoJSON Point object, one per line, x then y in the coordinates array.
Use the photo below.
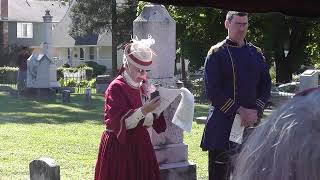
{"type": "Point", "coordinates": [287, 42]}
{"type": "Point", "coordinates": [99, 16]}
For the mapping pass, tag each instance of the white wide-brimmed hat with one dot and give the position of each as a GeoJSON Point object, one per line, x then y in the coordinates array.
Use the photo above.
{"type": "Point", "coordinates": [139, 53]}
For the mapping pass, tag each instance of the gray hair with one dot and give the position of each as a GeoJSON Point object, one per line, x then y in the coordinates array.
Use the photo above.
{"type": "Point", "coordinates": [285, 146]}
{"type": "Point", "coordinates": [230, 14]}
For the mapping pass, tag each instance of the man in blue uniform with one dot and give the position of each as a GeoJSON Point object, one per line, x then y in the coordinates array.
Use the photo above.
{"type": "Point", "coordinates": [237, 80]}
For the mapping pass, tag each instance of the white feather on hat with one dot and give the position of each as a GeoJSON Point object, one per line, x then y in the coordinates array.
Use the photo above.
{"type": "Point", "coordinates": [139, 53]}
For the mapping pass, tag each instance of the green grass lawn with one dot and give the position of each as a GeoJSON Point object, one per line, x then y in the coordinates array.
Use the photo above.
{"type": "Point", "coordinates": [69, 133]}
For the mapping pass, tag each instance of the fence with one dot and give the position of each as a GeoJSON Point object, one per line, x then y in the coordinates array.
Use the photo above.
{"type": "Point", "coordinates": [12, 86]}
{"type": "Point", "coordinates": [78, 76]}
{"type": "Point", "coordinates": [81, 90]}
{"type": "Point", "coordinates": [77, 90]}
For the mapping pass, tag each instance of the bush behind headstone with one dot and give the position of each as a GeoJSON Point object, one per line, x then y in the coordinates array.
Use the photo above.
{"type": "Point", "coordinates": [97, 68]}
{"type": "Point", "coordinates": [8, 75]}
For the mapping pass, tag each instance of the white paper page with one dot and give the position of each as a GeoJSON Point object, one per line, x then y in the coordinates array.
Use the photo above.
{"type": "Point", "coordinates": [167, 96]}
{"type": "Point", "coordinates": [183, 117]}
{"type": "Point", "coordinates": [236, 133]}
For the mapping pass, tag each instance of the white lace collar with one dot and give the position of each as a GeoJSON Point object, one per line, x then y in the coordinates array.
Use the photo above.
{"type": "Point", "coordinates": [129, 80]}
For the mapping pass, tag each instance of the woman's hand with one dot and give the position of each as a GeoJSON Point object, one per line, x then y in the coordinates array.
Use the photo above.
{"type": "Point", "coordinates": [150, 105]}
{"type": "Point", "coordinates": [147, 88]}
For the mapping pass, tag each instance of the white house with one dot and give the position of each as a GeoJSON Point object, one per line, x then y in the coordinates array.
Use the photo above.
{"type": "Point", "coordinates": [21, 24]}
{"type": "Point", "coordinates": [74, 51]}
{"type": "Point", "coordinates": [21, 21]}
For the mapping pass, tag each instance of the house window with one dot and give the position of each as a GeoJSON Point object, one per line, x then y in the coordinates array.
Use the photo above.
{"type": "Point", "coordinates": [81, 54]}
{"type": "Point", "coordinates": [24, 30]}
{"type": "Point", "coordinates": [91, 53]}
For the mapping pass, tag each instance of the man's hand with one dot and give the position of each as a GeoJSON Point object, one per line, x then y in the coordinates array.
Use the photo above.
{"type": "Point", "coordinates": [150, 105]}
{"type": "Point", "coordinates": [248, 116]}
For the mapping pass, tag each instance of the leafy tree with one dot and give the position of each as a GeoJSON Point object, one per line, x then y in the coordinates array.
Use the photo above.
{"type": "Point", "coordinates": [197, 30]}
{"type": "Point", "coordinates": [285, 41]}
{"type": "Point", "coordinates": [99, 16]}
{"type": "Point", "coordinates": [200, 28]}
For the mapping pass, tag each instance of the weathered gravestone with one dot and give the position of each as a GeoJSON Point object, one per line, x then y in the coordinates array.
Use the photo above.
{"type": "Point", "coordinates": [102, 82]}
{"type": "Point", "coordinates": [44, 169]}
{"type": "Point", "coordinates": [41, 71]}
{"type": "Point", "coordinates": [66, 96]}
{"type": "Point", "coordinates": [87, 97]}
{"type": "Point", "coordinates": [171, 152]}
{"type": "Point", "coordinates": [309, 79]}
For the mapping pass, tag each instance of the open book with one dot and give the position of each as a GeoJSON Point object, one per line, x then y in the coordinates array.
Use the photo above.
{"type": "Point", "coordinates": [183, 116]}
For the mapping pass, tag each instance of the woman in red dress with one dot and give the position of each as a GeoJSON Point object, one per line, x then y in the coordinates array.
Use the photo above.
{"type": "Point", "coordinates": [126, 151]}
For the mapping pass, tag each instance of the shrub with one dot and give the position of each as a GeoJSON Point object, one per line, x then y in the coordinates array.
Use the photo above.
{"type": "Point", "coordinates": [272, 72]}
{"type": "Point", "coordinates": [83, 84]}
{"type": "Point", "coordinates": [68, 82]}
{"type": "Point", "coordinates": [198, 90]}
{"type": "Point", "coordinates": [97, 68]}
{"type": "Point", "coordinates": [66, 65]}
{"type": "Point", "coordinates": [80, 84]}
{"type": "Point", "coordinates": [92, 83]}
{"type": "Point", "coordinates": [9, 56]}
{"type": "Point", "coordinates": [89, 72]}
{"type": "Point", "coordinates": [8, 75]}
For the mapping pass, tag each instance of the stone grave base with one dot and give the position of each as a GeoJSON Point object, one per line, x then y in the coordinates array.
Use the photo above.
{"type": "Point", "coordinates": [61, 89]}
{"type": "Point", "coordinates": [171, 153]}
{"type": "Point", "coordinates": [40, 93]}
{"type": "Point", "coordinates": [182, 170]}
{"type": "Point", "coordinates": [102, 82]}
{"type": "Point", "coordinates": [201, 120]}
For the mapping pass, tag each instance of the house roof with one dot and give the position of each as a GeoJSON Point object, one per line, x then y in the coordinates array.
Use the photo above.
{"type": "Point", "coordinates": [33, 10]}
{"type": "Point", "coordinates": [90, 39]}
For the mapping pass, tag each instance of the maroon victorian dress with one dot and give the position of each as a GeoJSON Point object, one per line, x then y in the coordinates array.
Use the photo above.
{"type": "Point", "coordinates": [126, 154]}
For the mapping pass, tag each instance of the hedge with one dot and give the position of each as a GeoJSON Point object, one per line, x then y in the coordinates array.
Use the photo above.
{"type": "Point", "coordinates": [97, 68]}
{"type": "Point", "coordinates": [75, 83]}
{"type": "Point", "coordinates": [8, 75]}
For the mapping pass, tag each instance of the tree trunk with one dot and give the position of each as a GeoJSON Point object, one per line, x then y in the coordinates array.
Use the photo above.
{"type": "Point", "coordinates": [286, 66]}
{"type": "Point", "coordinates": [114, 38]}
{"type": "Point", "coordinates": [183, 67]}
{"type": "Point", "coordinates": [283, 71]}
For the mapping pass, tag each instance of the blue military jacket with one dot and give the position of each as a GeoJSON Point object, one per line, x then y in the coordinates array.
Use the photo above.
{"type": "Point", "coordinates": [234, 76]}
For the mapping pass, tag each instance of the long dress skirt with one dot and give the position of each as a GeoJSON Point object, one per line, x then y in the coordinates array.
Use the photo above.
{"type": "Point", "coordinates": [134, 160]}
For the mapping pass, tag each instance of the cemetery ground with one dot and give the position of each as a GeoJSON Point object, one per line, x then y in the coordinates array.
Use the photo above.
{"type": "Point", "coordinates": [69, 133]}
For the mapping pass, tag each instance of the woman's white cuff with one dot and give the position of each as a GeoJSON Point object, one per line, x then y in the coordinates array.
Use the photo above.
{"type": "Point", "coordinates": [148, 120]}
{"type": "Point", "coordinates": [133, 120]}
